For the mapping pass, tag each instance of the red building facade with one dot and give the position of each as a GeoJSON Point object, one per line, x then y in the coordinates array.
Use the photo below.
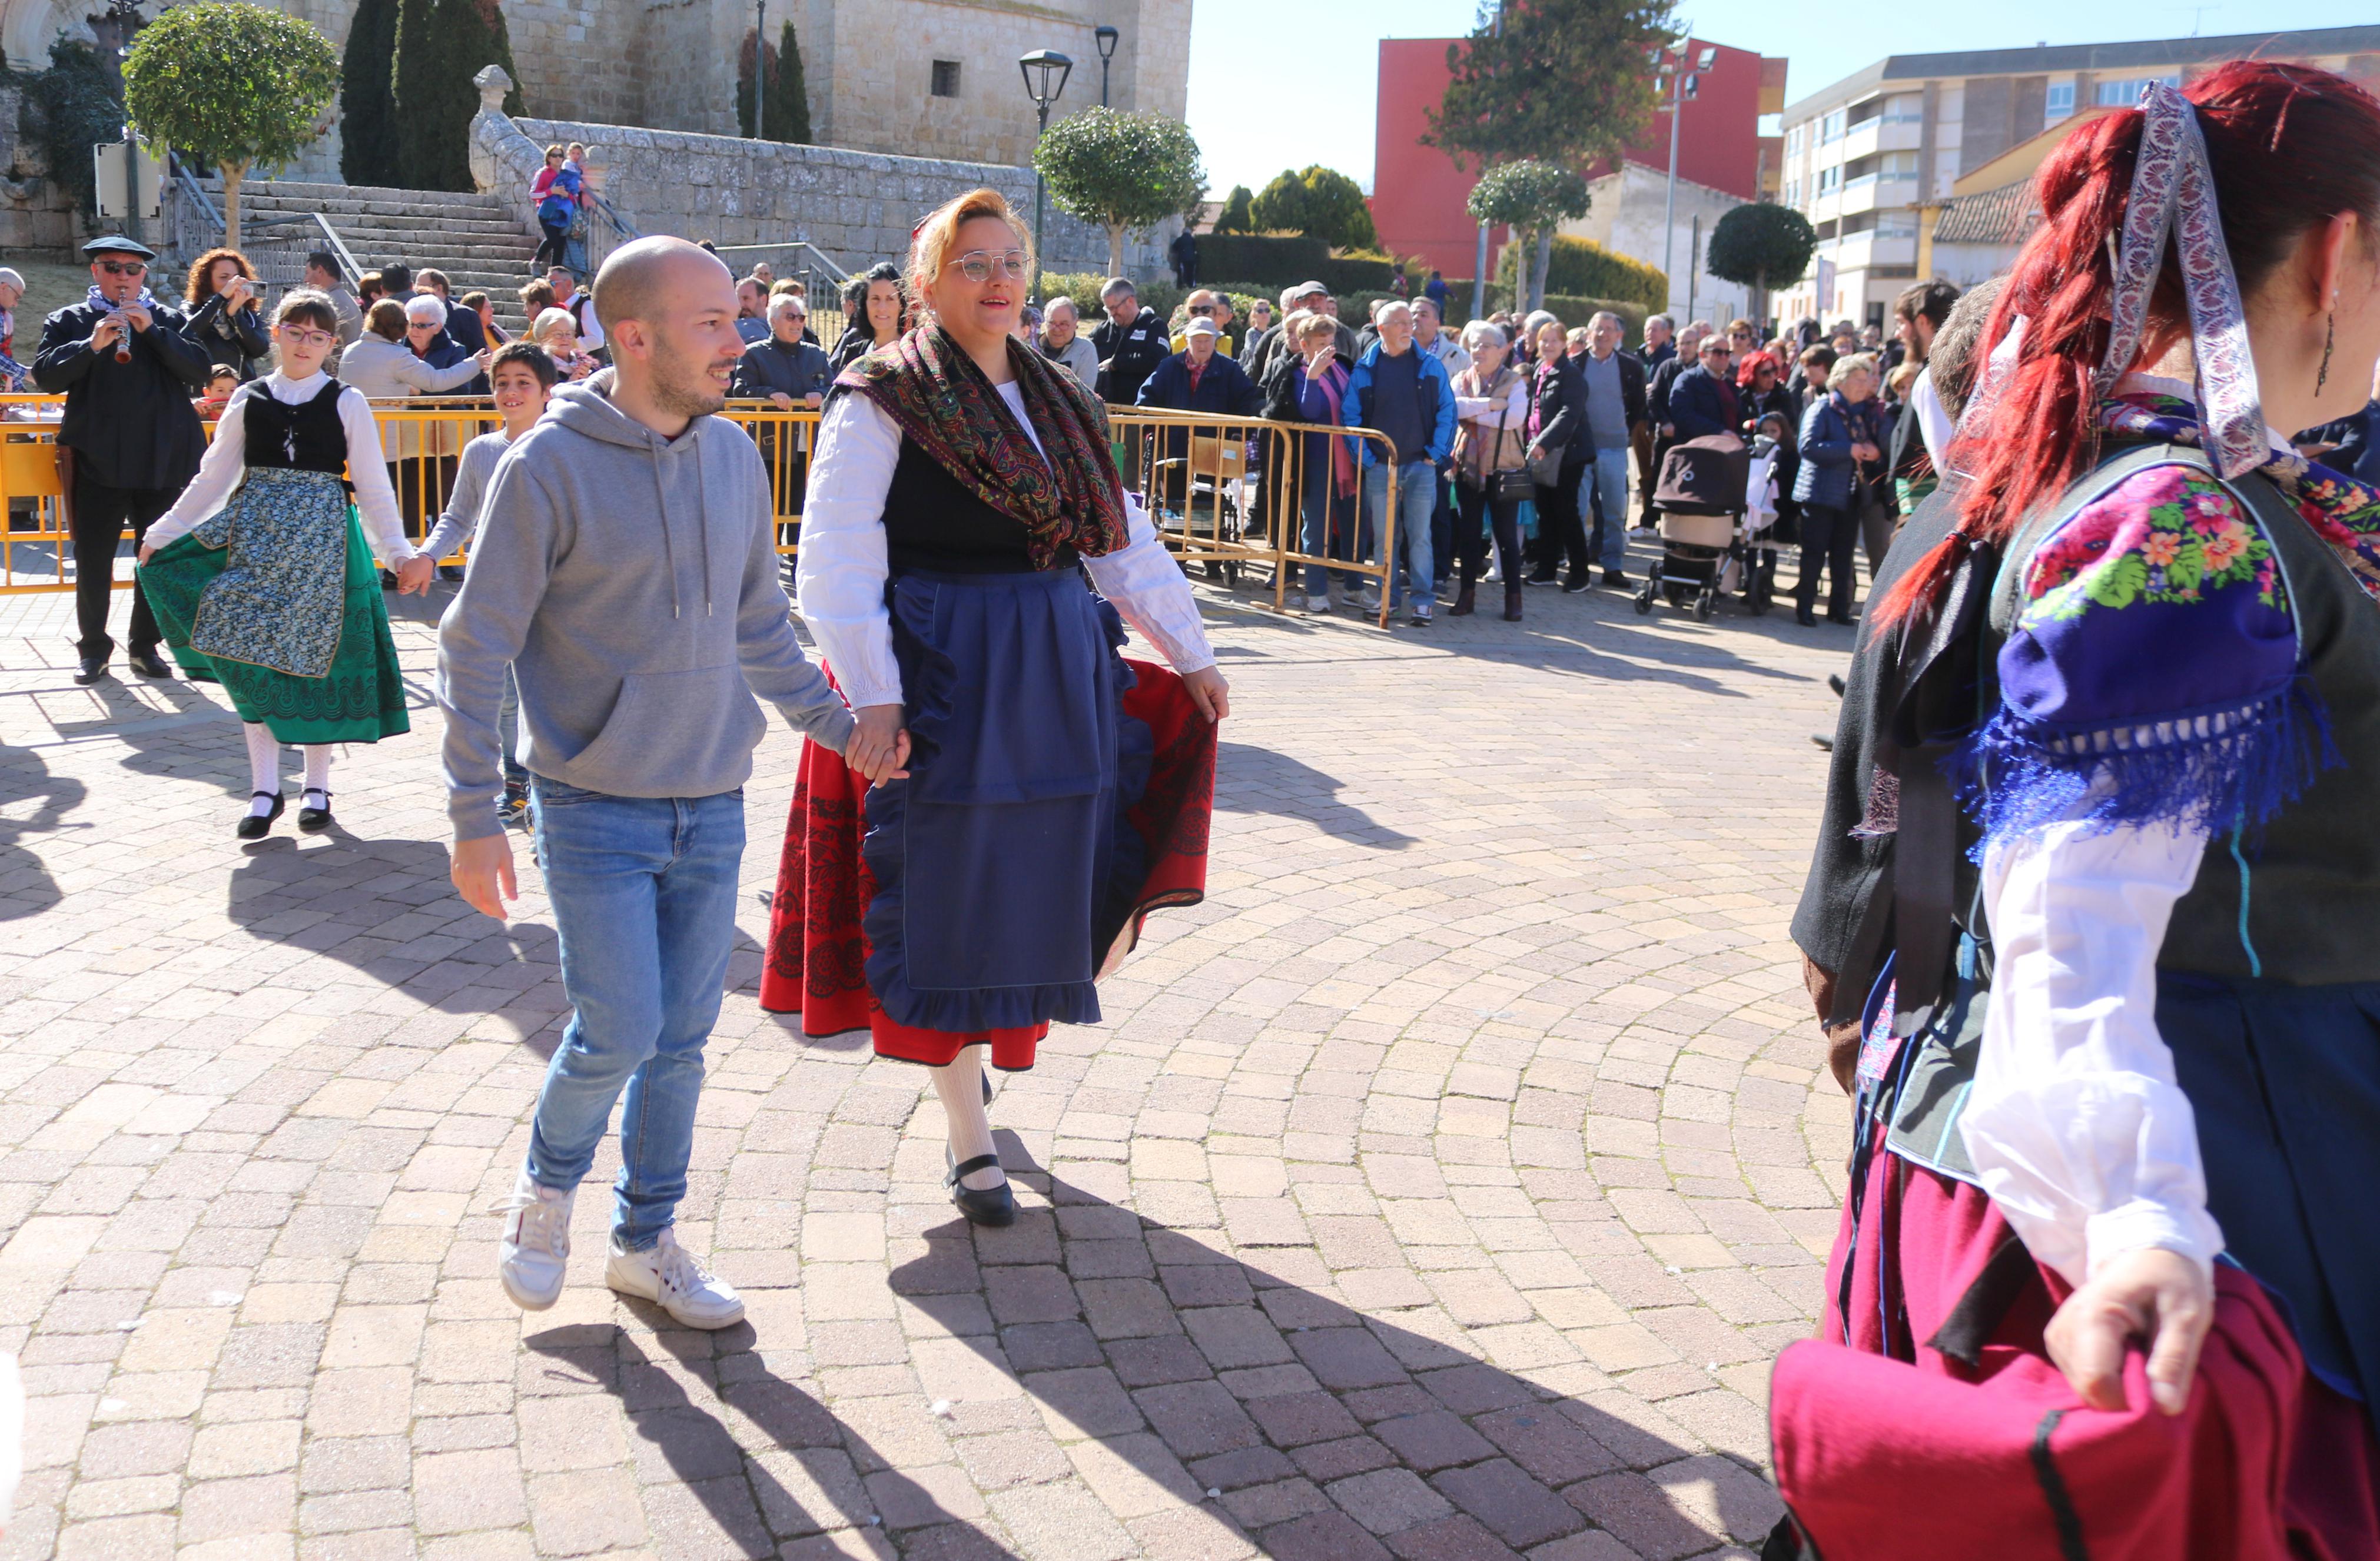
{"type": "Point", "coordinates": [1417, 191]}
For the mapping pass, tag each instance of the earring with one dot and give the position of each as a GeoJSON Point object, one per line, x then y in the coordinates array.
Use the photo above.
{"type": "Point", "coordinates": [2322, 375]}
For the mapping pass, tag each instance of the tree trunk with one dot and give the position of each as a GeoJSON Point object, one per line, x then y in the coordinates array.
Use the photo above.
{"type": "Point", "coordinates": [1760, 296]}
{"type": "Point", "coordinates": [232, 173]}
{"type": "Point", "coordinates": [1115, 248]}
{"type": "Point", "coordinates": [1544, 265]}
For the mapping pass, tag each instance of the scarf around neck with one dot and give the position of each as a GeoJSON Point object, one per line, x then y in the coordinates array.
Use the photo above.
{"type": "Point", "coordinates": [2342, 511]}
{"type": "Point", "coordinates": [100, 301]}
{"type": "Point", "coordinates": [942, 400]}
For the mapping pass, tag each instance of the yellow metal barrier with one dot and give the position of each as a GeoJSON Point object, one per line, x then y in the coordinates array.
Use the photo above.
{"type": "Point", "coordinates": [1227, 493]}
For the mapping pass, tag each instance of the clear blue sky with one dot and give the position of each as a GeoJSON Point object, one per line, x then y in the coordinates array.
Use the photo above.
{"type": "Point", "coordinates": [1254, 115]}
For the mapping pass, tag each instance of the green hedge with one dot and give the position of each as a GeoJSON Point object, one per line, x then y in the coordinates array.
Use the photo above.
{"type": "Point", "coordinates": [1290, 258]}
{"type": "Point", "coordinates": [1084, 289]}
{"type": "Point", "coordinates": [1580, 268]}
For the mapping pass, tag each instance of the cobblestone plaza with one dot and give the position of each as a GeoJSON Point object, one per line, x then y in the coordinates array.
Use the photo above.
{"type": "Point", "coordinates": [1442, 1188]}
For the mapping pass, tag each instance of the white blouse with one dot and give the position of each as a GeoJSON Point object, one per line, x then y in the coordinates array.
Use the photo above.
{"type": "Point", "coordinates": [2076, 1124]}
{"type": "Point", "coordinates": [840, 570]}
{"type": "Point", "coordinates": [225, 462]}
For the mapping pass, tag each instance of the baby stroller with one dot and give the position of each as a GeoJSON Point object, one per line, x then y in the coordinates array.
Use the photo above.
{"type": "Point", "coordinates": [1701, 496]}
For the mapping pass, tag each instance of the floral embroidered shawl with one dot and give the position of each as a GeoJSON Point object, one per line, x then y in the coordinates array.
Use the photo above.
{"type": "Point", "coordinates": [942, 400]}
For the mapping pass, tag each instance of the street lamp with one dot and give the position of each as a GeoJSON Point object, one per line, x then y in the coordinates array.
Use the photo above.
{"type": "Point", "coordinates": [1045, 73]}
{"type": "Point", "coordinates": [1680, 88]}
{"type": "Point", "coordinates": [1106, 37]}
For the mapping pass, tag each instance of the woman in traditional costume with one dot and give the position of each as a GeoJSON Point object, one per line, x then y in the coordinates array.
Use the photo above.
{"type": "Point", "coordinates": [1046, 793]}
{"type": "Point", "coordinates": [2108, 1280]}
{"type": "Point", "coordinates": [261, 577]}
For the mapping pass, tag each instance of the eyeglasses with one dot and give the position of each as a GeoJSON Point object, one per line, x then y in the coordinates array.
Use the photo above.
{"type": "Point", "coordinates": [297, 337]}
{"type": "Point", "coordinates": [977, 265]}
{"type": "Point", "coordinates": [123, 268]}
{"type": "Point", "coordinates": [1202, 309]}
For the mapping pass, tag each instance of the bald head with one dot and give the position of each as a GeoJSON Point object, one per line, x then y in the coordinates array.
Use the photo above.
{"type": "Point", "coordinates": [644, 279]}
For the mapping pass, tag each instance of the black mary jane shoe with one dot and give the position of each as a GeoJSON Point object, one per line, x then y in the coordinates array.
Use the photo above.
{"type": "Point", "coordinates": [991, 1205]}
{"type": "Point", "coordinates": [253, 827]}
{"type": "Point", "coordinates": [314, 820]}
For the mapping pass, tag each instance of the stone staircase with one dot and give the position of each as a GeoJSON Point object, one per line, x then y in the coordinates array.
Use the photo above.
{"type": "Point", "coordinates": [474, 240]}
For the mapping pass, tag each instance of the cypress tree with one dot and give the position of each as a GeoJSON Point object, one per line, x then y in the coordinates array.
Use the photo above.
{"type": "Point", "coordinates": [366, 107]}
{"type": "Point", "coordinates": [441, 44]}
{"type": "Point", "coordinates": [789, 98]}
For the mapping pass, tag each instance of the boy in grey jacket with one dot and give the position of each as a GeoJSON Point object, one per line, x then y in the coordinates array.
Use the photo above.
{"type": "Point", "coordinates": [627, 571]}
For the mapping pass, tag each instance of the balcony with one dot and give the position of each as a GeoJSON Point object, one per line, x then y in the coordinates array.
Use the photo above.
{"type": "Point", "coordinates": [1860, 250]}
{"type": "Point", "coordinates": [1886, 132]}
{"type": "Point", "coordinates": [1871, 191]}
{"type": "Point", "coordinates": [1824, 208]}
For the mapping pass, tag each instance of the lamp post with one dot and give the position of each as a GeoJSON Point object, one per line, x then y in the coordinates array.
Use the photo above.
{"type": "Point", "coordinates": [126, 15]}
{"type": "Point", "coordinates": [1106, 37]}
{"type": "Point", "coordinates": [1045, 73]}
{"type": "Point", "coordinates": [1682, 89]}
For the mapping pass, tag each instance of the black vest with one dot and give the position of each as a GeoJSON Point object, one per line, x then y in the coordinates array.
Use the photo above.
{"type": "Point", "coordinates": [2314, 880]}
{"type": "Point", "coordinates": [932, 521]}
{"type": "Point", "coordinates": [308, 437]}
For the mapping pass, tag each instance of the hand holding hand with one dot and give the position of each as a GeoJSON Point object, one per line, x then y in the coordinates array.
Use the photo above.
{"type": "Point", "coordinates": [483, 874]}
{"type": "Point", "coordinates": [413, 576]}
{"type": "Point", "coordinates": [2161, 1297]}
{"type": "Point", "coordinates": [1209, 692]}
{"type": "Point", "coordinates": [879, 748]}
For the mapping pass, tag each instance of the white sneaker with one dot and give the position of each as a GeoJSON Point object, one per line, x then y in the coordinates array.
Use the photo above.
{"type": "Point", "coordinates": [1371, 599]}
{"type": "Point", "coordinates": [536, 1245]}
{"type": "Point", "coordinates": [1318, 604]}
{"type": "Point", "coordinates": [668, 1275]}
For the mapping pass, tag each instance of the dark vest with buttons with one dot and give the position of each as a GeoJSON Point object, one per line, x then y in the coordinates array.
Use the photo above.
{"type": "Point", "coordinates": [934, 522]}
{"type": "Point", "coordinates": [308, 437]}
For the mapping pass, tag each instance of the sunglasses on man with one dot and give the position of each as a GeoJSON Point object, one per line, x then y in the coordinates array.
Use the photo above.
{"type": "Point", "coordinates": [123, 268]}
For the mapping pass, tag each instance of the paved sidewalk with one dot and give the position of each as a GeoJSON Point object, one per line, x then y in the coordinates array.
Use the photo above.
{"type": "Point", "coordinates": [1442, 1188]}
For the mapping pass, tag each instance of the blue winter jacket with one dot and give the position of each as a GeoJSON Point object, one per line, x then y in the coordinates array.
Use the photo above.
{"type": "Point", "coordinates": [1223, 387]}
{"type": "Point", "coordinates": [1437, 406]}
{"type": "Point", "coordinates": [1827, 470]}
{"type": "Point", "coordinates": [1700, 405]}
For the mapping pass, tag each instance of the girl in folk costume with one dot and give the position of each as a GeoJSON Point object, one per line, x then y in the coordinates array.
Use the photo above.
{"type": "Point", "coordinates": [1045, 792]}
{"type": "Point", "coordinates": [2108, 1279]}
{"type": "Point", "coordinates": [261, 577]}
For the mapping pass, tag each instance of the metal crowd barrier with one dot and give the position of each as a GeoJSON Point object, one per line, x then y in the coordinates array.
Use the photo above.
{"type": "Point", "coordinates": [1230, 494]}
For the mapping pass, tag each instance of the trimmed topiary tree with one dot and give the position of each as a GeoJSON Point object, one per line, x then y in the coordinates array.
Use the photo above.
{"type": "Point", "coordinates": [1753, 244]}
{"type": "Point", "coordinates": [1532, 198]}
{"type": "Point", "coordinates": [1239, 213]}
{"type": "Point", "coordinates": [232, 85]}
{"type": "Point", "coordinates": [366, 106]}
{"type": "Point", "coordinates": [1121, 171]}
{"type": "Point", "coordinates": [1319, 203]}
{"type": "Point", "coordinates": [441, 44]}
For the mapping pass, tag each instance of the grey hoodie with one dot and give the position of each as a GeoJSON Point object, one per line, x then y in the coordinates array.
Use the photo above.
{"type": "Point", "coordinates": [631, 581]}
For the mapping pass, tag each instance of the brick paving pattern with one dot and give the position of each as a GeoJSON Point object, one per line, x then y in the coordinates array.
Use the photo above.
{"type": "Point", "coordinates": [1441, 1190]}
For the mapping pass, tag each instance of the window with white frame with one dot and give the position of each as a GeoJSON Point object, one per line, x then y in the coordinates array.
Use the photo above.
{"type": "Point", "coordinates": [2125, 93]}
{"type": "Point", "coordinates": [1830, 179]}
{"type": "Point", "coordinates": [1831, 128]}
{"type": "Point", "coordinates": [2060, 103]}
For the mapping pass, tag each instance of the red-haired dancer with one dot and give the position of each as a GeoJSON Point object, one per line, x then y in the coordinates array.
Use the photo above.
{"type": "Point", "coordinates": [2108, 1280]}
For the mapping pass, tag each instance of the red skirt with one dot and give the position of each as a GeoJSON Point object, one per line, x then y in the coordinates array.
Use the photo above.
{"type": "Point", "coordinates": [1943, 1430]}
{"type": "Point", "coordinates": [818, 952]}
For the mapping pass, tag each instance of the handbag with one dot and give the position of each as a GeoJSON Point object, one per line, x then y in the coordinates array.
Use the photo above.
{"type": "Point", "coordinates": [1505, 485]}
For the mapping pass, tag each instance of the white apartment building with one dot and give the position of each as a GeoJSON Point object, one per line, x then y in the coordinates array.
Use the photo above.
{"type": "Point", "coordinates": [1863, 155]}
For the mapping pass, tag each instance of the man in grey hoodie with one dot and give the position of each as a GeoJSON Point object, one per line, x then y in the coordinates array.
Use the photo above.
{"type": "Point", "coordinates": [627, 571]}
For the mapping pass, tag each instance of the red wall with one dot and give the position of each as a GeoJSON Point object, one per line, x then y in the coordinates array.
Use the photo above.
{"type": "Point", "coordinates": [1417, 192]}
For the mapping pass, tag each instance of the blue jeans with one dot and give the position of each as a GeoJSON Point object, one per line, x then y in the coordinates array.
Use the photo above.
{"type": "Point", "coordinates": [1416, 498]}
{"type": "Point", "coordinates": [1329, 523]}
{"type": "Point", "coordinates": [643, 891]}
{"type": "Point", "coordinates": [1610, 477]}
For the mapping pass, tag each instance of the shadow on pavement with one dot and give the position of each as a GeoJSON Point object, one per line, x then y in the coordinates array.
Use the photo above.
{"type": "Point", "coordinates": [817, 1474]}
{"type": "Point", "coordinates": [1318, 1429]}
{"type": "Point", "coordinates": [1253, 780]}
{"type": "Point", "coordinates": [26, 887]}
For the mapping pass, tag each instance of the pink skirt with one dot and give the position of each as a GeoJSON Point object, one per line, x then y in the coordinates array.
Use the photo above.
{"type": "Point", "coordinates": [1942, 1430]}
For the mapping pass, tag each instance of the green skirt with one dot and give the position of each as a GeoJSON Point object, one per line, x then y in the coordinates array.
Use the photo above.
{"type": "Point", "coordinates": [360, 699]}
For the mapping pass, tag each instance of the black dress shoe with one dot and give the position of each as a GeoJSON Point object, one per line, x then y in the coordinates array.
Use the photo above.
{"type": "Point", "coordinates": [253, 827]}
{"type": "Point", "coordinates": [1844, 618]}
{"type": "Point", "coordinates": [1576, 584]}
{"type": "Point", "coordinates": [149, 664]}
{"type": "Point", "coordinates": [313, 820]}
{"type": "Point", "coordinates": [1617, 579]}
{"type": "Point", "coordinates": [1804, 617]}
{"type": "Point", "coordinates": [991, 1205]}
{"type": "Point", "coordinates": [91, 668]}
{"type": "Point", "coordinates": [1537, 579]}
{"type": "Point", "coordinates": [1835, 681]}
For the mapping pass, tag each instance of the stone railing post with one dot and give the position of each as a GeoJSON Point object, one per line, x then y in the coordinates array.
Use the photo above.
{"type": "Point", "coordinates": [503, 160]}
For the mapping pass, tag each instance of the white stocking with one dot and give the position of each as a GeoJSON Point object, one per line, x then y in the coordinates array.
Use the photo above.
{"type": "Point", "coordinates": [263, 766]}
{"type": "Point", "coordinates": [960, 1086]}
{"type": "Point", "coordinates": [318, 774]}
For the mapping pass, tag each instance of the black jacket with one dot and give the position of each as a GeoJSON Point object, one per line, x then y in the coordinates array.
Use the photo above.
{"type": "Point", "coordinates": [851, 346]}
{"type": "Point", "coordinates": [464, 325]}
{"type": "Point", "coordinates": [131, 425]}
{"type": "Point", "coordinates": [1657, 392]}
{"type": "Point", "coordinates": [1560, 399]}
{"type": "Point", "coordinates": [772, 366]}
{"type": "Point", "coordinates": [1129, 354]}
{"type": "Point", "coordinates": [237, 339]}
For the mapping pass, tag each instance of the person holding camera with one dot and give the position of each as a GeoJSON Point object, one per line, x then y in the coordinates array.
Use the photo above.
{"type": "Point", "coordinates": [221, 301]}
{"type": "Point", "coordinates": [127, 368]}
